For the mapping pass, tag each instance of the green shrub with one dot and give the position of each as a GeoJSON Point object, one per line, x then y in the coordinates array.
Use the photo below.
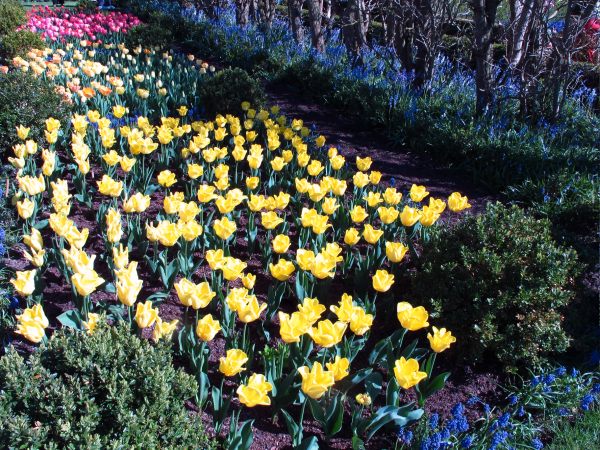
{"type": "Point", "coordinates": [18, 43]}
{"type": "Point", "coordinates": [107, 390]}
{"type": "Point", "coordinates": [148, 36]}
{"type": "Point", "coordinates": [498, 281]}
{"type": "Point", "coordinates": [25, 100]}
{"type": "Point", "coordinates": [12, 15]}
{"type": "Point", "coordinates": [225, 92]}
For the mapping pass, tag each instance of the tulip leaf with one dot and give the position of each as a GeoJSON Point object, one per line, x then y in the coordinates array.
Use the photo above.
{"type": "Point", "coordinates": [243, 437]}
{"type": "Point", "coordinates": [349, 382]}
{"type": "Point", "coordinates": [71, 319]}
{"type": "Point", "coordinates": [41, 224]}
{"type": "Point", "coordinates": [317, 411]}
{"type": "Point", "coordinates": [373, 385]}
{"type": "Point", "coordinates": [334, 416]}
{"type": "Point", "coordinates": [295, 430]}
{"type": "Point", "coordinates": [110, 288]}
{"type": "Point", "coordinates": [391, 414]}
{"type": "Point", "coordinates": [391, 395]}
{"type": "Point", "coordinates": [310, 443]}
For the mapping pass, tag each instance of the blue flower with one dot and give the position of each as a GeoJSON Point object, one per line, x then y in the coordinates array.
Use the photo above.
{"type": "Point", "coordinates": [586, 401]}
{"type": "Point", "coordinates": [458, 409]}
{"type": "Point", "coordinates": [596, 388]}
{"type": "Point", "coordinates": [473, 400]}
{"type": "Point", "coordinates": [504, 419]}
{"type": "Point", "coordinates": [2, 249]}
{"type": "Point", "coordinates": [537, 444]}
{"type": "Point", "coordinates": [404, 436]}
{"type": "Point", "coordinates": [467, 441]}
{"type": "Point", "coordinates": [513, 399]}
{"type": "Point", "coordinates": [562, 412]}
{"type": "Point", "coordinates": [434, 420]}
{"type": "Point", "coordinates": [520, 412]}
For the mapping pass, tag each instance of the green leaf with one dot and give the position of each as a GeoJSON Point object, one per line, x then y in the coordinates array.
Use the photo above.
{"type": "Point", "coordinates": [310, 443]}
{"type": "Point", "coordinates": [335, 416]}
{"type": "Point", "coordinates": [71, 319]}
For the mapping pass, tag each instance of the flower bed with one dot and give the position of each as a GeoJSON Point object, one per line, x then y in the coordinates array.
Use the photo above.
{"type": "Point", "coordinates": [60, 23]}
{"type": "Point", "coordinates": [246, 239]}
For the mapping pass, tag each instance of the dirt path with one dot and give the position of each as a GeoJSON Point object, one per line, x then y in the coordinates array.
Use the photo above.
{"type": "Point", "coordinates": [394, 162]}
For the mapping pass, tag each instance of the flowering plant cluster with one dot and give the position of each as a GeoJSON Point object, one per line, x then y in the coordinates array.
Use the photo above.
{"type": "Point", "coordinates": [525, 422]}
{"type": "Point", "coordinates": [60, 23]}
{"type": "Point", "coordinates": [267, 239]}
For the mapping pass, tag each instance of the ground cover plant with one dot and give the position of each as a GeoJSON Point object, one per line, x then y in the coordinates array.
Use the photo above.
{"type": "Point", "coordinates": [173, 218]}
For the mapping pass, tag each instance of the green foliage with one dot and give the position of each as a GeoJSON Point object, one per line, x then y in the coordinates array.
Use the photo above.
{"type": "Point", "coordinates": [12, 15]}
{"type": "Point", "coordinates": [29, 101]}
{"type": "Point", "coordinates": [149, 36]}
{"type": "Point", "coordinates": [86, 6]}
{"type": "Point", "coordinates": [225, 92]}
{"type": "Point", "coordinates": [107, 390]}
{"type": "Point", "coordinates": [498, 281]}
{"type": "Point", "coordinates": [584, 433]}
{"type": "Point", "coordinates": [18, 43]}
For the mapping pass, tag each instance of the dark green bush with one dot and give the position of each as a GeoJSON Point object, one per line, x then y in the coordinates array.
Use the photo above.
{"type": "Point", "coordinates": [149, 36]}
{"type": "Point", "coordinates": [12, 15]}
{"type": "Point", "coordinates": [225, 92]}
{"type": "Point", "coordinates": [18, 43]}
{"type": "Point", "coordinates": [498, 281]}
{"type": "Point", "coordinates": [25, 100]}
{"type": "Point", "coordinates": [107, 390]}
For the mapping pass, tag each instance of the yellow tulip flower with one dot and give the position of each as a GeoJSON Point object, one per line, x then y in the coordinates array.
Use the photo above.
{"type": "Point", "coordinates": [281, 243]}
{"type": "Point", "coordinates": [255, 391]}
{"type": "Point", "coordinates": [207, 328]}
{"type": "Point", "coordinates": [327, 334]}
{"type": "Point", "coordinates": [340, 368]}
{"type": "Point", "coordinates": [145, 314]}
{"type": "Point", "coordinates": [24, 283]}
{"type": "Point", "coordinates": [282, 270]}
{"type": "Point", "coordinates": [407, 372]}
{"type": "Point", "coordinates": [166, 178]}
{"type": "Point", "coordinates": [352, 236]}
{"type": "Point", "coordinates": [316, 381]}
{"type": "Point", "coordinates": [92, 322]}
{"type": "Point", "coordinates": [440, 340]}
{"type": "Point", "coordinates": [382, 281]}
{"type": "Point", "coordinates": [311, 310]}
{"type": "Point", "coordinates": [418, 193]}
{"type": "Point", "coordinates": [250, 309]}
{"type": "Point", "coordinates": [224, 227]}
{"type": "Point", "coordinates": [395, 251]}
{"type": "Point", "coordinates": [457, 202]}
{"type": "Point", "coordinates": [412, 319]}
{"type": "Point", "coordinates": [110, 187]}
{"type": "Point", "coordinates": [25, 208]}
{"type": "Point", "coordinates": [372, 235]}
{"type": "Point", "coordinates": [86, 282]}
{"type": "Point", "coordinates": [163, 330]}
{"type": "Point", "coordinates": [291, 328]}
{"type": "Point", "coordinates": [409, 216]}
{"type": "Point", "coordinates": [233, 362]}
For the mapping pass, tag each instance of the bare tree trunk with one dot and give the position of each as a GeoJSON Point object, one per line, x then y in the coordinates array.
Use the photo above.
{"type": "Point", "coordinates": [484, 16]}
{"type": "Point", "coordinates": [295, 16]}
{"type": "Point", "coordinates": [315, 17]}
{"type": "Point", "coordinates": [242, 11]}
{"type": "Point", "coordinates": [521, 16]}
{"type": "Point", "coordinates": [266, 11]}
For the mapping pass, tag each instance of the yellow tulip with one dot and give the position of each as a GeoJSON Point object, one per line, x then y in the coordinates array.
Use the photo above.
{"type": "Point", "coordinates": [363, 399]}
{"type": "Point", "coordinates": [250, 309]}
{"type": "Point", "coordinates": [233, 362]}
{"type": "Point", "coordinates": [345, 310]}
{"type": "Point", "coordinates": [34, 240]}
{"type": "Point", "coordinates": [360, 322]}
{"type": "Point", "coordinates": [207, 328]}
{"type": "Point", "coordinates": [440, 340]}
{"type": "Point", "coordinates": [407, 372]}
{"type": "Point", "coordinates": [363, 164]}
{"type": "Point", "coordinates": [382, 281]}
{"type": "Point", "coordinates": [412, 319]}
{"type": "Point", "coordinates": [24, 283]}
{"type": "Point", "coordinates": [409, 216]}
{"type": "Point", "coordinates": [92, 322]}
{"type": "Point", "coordinates": [114, 231]}
{"type": "Point", "coordinates": [457, 202]}
{"type": "Point", "coordinates": [163, 330]}
{"type": "Point", "coordinates": [110, 187]}
{"type": "Point", "coordinates": [311, 310]}
{"type": "Point", "coordinates": [387, 215]}
{"type": "Point", "coordinates": [340, 368]}
{"type": "Point", "coordinates": [25, 208]}
{"type": "Point", "coordinates": [270, 220]}
{"type": "Point", "coordinates": [305, 259]}
{"type": "Point", "coordinates": [128, 284]}
{"type": "Point", "coordinates": [224, 228]}
{"type": "Point", "coordinates": [429, 216]}
{"type": "Point", "coordinates": [87, 282]}
{"type": "Point", "coordinates": [22, 132]}
{"type": "Point", "coordinates": [327, 334]}
{"type": "Point", "coordinates": [291, 328]}
{"type": "Point", "coordinates": [282, 270]}
{"type": "Point", "coordinates": [352, 236]}
{"type": "Point", "coordinates": [437, 204]}
{"type": "Point", "coordinates": [373, 199]}
{"type": "Point", "coordinates": [372, 235]}
{"type": "Point", "coordinates": [168, 233]}
{"type": "Point", "coordinates": [281, 243]}
{"type": "Point", "coordinates": [358, 214]}
{"type": "Point", "coordinates": [32, 331]}
{"type": "Point", "coordinates": [418, 193]}
{"type": "Point", "coordinates": [316, 381]}
{"type": "Point", "coordinates": [392, 196]}
{"type": "Point", "coordinates": [195, 171]}
{"type": "Point", "coordinates": [34, 314]}
{"type": "Point", "coordinates": [138, 203]}
{"type": "Point", "coordinates": [360, 179]}
{"type": "Point", "coordinates": [248, 280]}
{"type": "Point", "coordinates": [395, 251]}
{"type": "Point", "coordinates": [145, 314]}
{"type": "Point", "coordinates": [255, 391]}
{"type": "Point", "coordinates": [166, 178]}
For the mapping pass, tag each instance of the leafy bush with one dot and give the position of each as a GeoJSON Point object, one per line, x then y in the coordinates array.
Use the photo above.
{"type": "Point", "coordinates": [12, 15]}
{"type": "Point", "coordinates": [148, 36]}
{"type": "Point", "coordinates": [18, 43]}
{"type": "Point", "coordinates": [109, 389]}
{"type": "Point", "coordinates": [225, 92]}
{"type": "Point", "coordinates": [27, 100]}
{"type": "Point", "coordinates": [499, 281]}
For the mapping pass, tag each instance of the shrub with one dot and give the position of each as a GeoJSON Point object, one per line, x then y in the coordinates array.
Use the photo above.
{"type": "Point", "coordinates": [148, 36]}
{"type": "Point", "coordinates": [225, 92]}
{"type": "Point", "coordinates": [498, 281]}
{"type": "Point", "coordinates": [109, 389]}
{"type": "Point", "coordinates": [18, 43]}
{"type": "Point", "coordinates": [12, 15]}
{"type": "Point", "coordinates": [27, 100]}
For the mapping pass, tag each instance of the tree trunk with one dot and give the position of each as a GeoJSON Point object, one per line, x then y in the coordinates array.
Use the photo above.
{"type": "Point", "coordinates": [242, 12]}
{"type": "Point", "coordinates": [266, 10]}
{"type": "Point", "coordinates": [295, 16]}
{"type": "Point", "coordinates": [315, 17]}
{"type": "Point", "coordinates": [484, 16]}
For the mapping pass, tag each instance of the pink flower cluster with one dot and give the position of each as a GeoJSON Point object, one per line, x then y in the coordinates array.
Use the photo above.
{"type": "Point", "coordinates": [59, 23]}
